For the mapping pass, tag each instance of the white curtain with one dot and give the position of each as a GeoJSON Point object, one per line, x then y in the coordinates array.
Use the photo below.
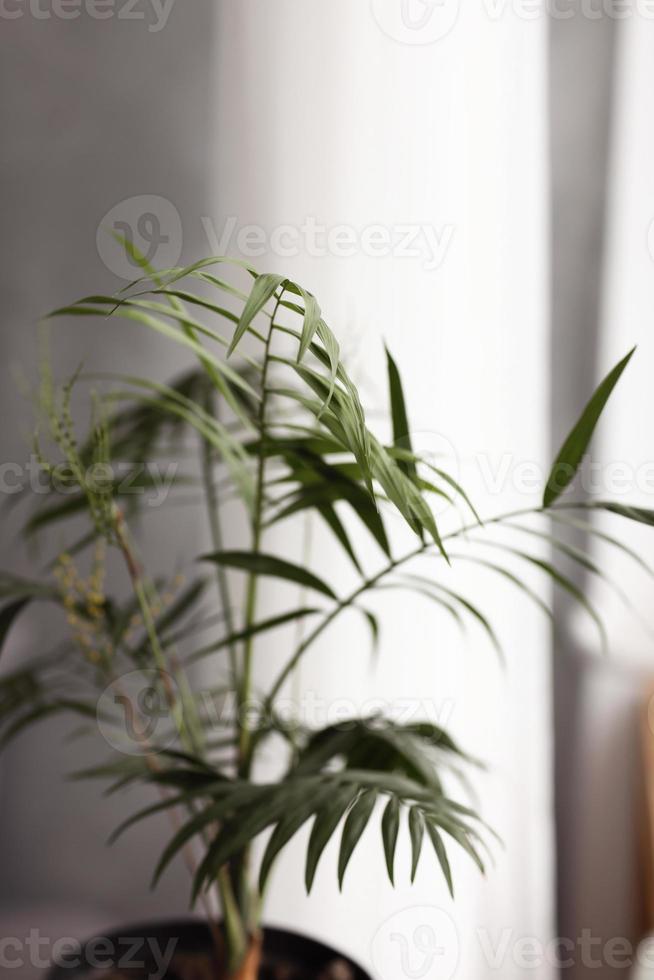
{"type": "Point", "coordinates": [333, 115]}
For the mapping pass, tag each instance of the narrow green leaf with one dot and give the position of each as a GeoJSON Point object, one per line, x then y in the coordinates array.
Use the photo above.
{"type": "Point", "coordinates": [373, 623]}
{"type": "Point", "coordinates": [417, 833]}
{"type": "Point", "coordinates": [333, 487]}
{"type": "Point", "coordinates": [14, 587]}
{"type": "Point", "coordinates": [457, 832]}
{"type": "Point", "coordinates": [405, 495]}
{"type": "Point", "coordinates": [390, 828]}
{"type": "Point", "coordinates": [399, 417]}
{"type": "Point", "coordinates": [198, 301]}
{"type": "Point", "coordinates": [327, 820]}
{"type": "Point", "coordinates": [428, 593]}
{"type": "Point", "coordinates": [263, 289]}
{"type": "Point", "coordinates": [355, 824]}
{"type": "Point", "coordinates": [287, 828]}
{"type": "Point", "coordinates": [229, 376]}
{"type": "Point", "coordinates": [476, 613]}
{"type": "Point", "coordinates": [204, 818]}
{"type": "Point", "coordinates": [182, 605]}
{"type": "Point", "coordinates": [262, 627]}
{"type": "Point", "coordinates": [588, 528]}
{"type": "Point", "coordinates": [135, 818]}
{"type": "Point", "coordinates": [445, 476]}
{"type": "Point", "coordinates": [559, 579]}
{"type": "Point", "coordinates": [333, 521]}
{"type": "Point", "coordinates": [8, 614]}
{"type": "Point", "coordinates": [641, 515]}
{"type": "Point", "coordinates": [42, 711]}
{"type": "Point", "coordinates": [438, 738]}
{"type": "Point", "coordinates": [333, 352]}
{"type": "Point", "coordinates": [410, 754]}
{"type": "Point", "coordinates": [509, 576]}
{"type": "Point", "coordinates": [268, 565]}
{"type": "Point", "coordinates": [310, 323]}
{"type": "Point", "coordinates": [563, 582]}
{"type": "Point", "coordinates": [441, 854]}
{"type": "Point", "coordinates": [572, 452]}
{"type": "Point", "coordinates": [235, 835]}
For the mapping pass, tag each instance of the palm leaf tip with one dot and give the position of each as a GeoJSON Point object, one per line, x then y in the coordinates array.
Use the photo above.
{"type": "Point", "coordinates": [572, 452]}
{"type": "Point", "coordinates": [264, 288]}
{"type": "Point", "coordinates": [401, 436]}
{"type": "Point", "coordinates": [390, 830]}
{"type": "Point", "coordinates": [355, 824]}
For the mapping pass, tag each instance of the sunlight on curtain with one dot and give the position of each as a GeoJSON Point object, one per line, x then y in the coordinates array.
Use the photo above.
{"type": "Point", "coordinates": [346, 146]}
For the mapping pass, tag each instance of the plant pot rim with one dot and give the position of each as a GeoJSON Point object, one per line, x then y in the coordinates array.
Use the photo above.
{"type": "Point", "coordinates": [194, 935]}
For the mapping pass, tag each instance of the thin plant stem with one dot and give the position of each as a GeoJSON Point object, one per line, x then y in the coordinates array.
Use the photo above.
{"type": "Point", "coordinates": [187, 852]}
{"type": "Point", "coordinates": [257, 529]}
{"type": "Point", "coordinates": [211, 499]}
{"type": "Point", "coordinates": [234, 926]}
{"type": "Point", "coordinates": [248, 902]}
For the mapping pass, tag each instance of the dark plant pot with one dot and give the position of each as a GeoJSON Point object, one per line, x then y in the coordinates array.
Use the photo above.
{"type": "Point", "coordinates": [139, 951]}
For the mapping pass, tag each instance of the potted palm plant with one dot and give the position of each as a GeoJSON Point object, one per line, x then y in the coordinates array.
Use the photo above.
{"type": "Point", "coordinates": [281, 432]}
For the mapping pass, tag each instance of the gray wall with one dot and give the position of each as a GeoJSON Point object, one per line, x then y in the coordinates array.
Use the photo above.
{"type": "Point", "coordinates": [92, 112]}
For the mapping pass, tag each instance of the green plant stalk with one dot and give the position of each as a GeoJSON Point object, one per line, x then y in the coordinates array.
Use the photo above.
{"type": "Point", "coordinates": [257, 529]}
{"type": "Point", "coordinates": [235, 931]}
{"type": "Point", "coordinates": [236, 935]}
{"type": "Point", "coordinates": [211, 499]}
{"type": "Point", "coordinates": [249, 903]}
{"type": "Point", "coordinates": [235, 925]}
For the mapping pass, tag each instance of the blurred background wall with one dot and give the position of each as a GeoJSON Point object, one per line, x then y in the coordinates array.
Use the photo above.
{"type": "Point", "coordinates": [95, 111]}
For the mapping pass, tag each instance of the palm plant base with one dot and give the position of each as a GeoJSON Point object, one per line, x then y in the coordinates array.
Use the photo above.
{"type": "Point", "coordinates": [282, 956]}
